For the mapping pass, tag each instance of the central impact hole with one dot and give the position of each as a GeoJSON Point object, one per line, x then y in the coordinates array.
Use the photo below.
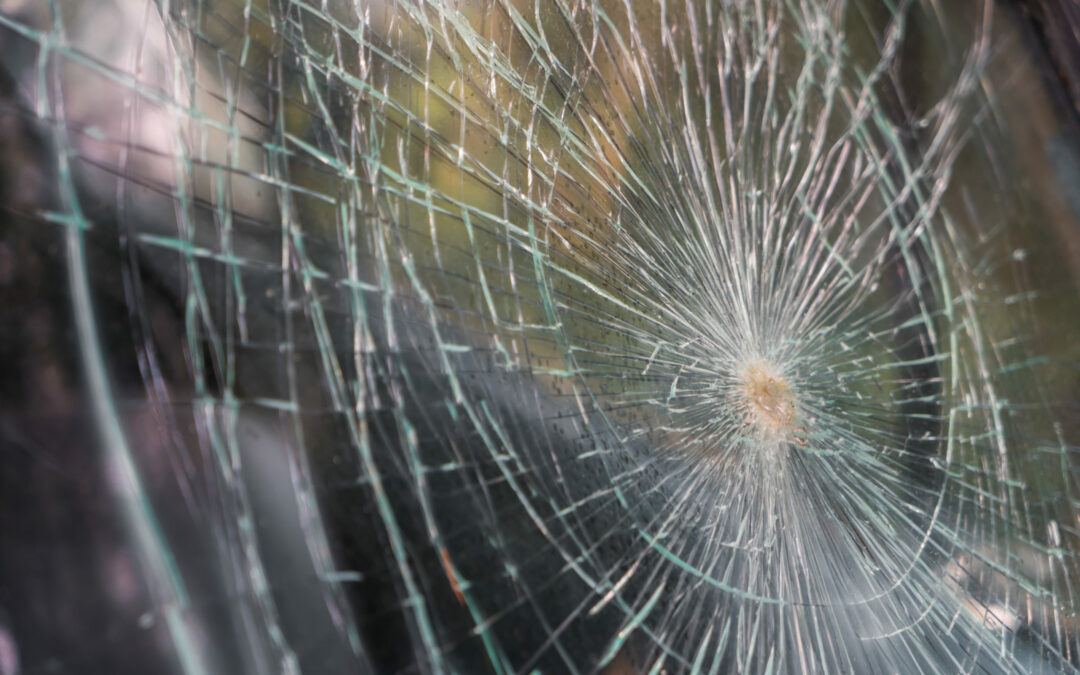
{"type": "Point", "coordinates": [768, 404]}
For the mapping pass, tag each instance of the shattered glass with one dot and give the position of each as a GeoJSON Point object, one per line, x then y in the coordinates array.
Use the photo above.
{"type": "Point", "coordinates": [514, 336]}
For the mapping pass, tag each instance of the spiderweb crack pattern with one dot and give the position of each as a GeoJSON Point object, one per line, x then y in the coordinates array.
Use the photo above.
{"type": "Point", "coordinates": [580, 336]}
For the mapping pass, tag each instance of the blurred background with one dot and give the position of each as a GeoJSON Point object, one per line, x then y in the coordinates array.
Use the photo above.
{"type": "Point", "coordinates": [378, 336]}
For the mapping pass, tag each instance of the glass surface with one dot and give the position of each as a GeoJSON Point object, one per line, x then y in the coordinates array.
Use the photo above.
{"type": "Point", "coordinates": [514, 336]}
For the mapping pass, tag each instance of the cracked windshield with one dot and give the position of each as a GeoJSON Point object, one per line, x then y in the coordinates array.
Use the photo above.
{"type": "Point", "coordinates": [539, 336]}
